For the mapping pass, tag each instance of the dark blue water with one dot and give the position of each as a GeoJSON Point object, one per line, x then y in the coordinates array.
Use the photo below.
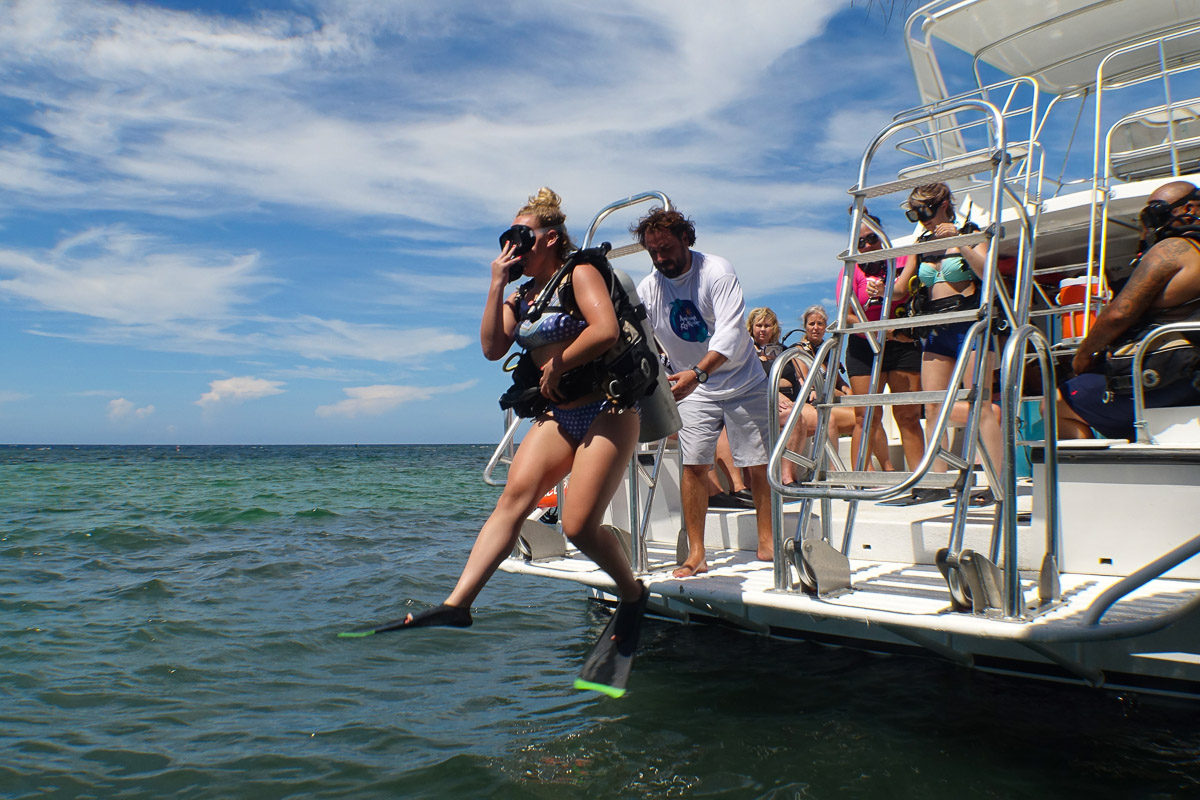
{"type": "Point", "coordinates": [168, 628]}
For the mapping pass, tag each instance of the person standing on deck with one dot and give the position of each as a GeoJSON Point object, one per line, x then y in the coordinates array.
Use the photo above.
{"type": "Point", "coordinates": [695, 304]}
{"type": "Point", "coordinates": [953, 280]}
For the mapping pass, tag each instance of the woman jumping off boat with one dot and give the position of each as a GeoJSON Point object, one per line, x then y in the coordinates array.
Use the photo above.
{"type": "Point", "coordinates": [584, 436]}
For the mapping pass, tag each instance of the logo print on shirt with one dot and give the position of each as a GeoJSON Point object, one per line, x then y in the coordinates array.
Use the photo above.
{"type": "Point", "coordinates": [687, 322]}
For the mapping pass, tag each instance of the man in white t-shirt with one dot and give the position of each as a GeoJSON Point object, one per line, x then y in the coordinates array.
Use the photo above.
{"type": "Point", "coordinates": [694, 302]}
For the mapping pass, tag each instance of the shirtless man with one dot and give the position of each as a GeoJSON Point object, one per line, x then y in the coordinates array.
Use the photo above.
{"type": "Point", "coordinates": [1165, 287]}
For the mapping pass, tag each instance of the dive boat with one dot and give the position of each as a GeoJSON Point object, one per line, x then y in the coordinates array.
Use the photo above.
{"type": "Point", "coordinates": [1082, 571]}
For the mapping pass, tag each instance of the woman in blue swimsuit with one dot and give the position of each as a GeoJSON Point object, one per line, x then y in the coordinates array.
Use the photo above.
{"type": "Point", "coordinates": [954, 272]}
{"type": "Point", "coordinates": [585, 437]}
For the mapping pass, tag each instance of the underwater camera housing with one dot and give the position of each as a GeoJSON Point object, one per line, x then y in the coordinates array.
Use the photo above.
{"type": "Point", "coordinates": [522, 238]}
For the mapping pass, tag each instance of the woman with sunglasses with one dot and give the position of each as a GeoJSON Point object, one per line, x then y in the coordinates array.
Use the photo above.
{"type": "Point", "coordinates": [901, 368]}
{"type": "Point", "coordinates": [841, 423]}
{"type": "Point", "coordinates": [584, 437]}
{"type": "Point", "coordinates": [952, 280]}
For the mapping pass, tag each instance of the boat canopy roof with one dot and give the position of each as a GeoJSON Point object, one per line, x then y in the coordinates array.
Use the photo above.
{"type": "Point", "coordinates": [1059, 43]}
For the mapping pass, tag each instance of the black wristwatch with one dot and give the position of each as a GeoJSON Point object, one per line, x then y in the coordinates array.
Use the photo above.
{"type": "Point", "coordinates": [701, 375]}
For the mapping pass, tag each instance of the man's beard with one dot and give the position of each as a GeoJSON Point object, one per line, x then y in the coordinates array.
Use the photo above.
{"type": "Point", "coordinates": [671, 269]}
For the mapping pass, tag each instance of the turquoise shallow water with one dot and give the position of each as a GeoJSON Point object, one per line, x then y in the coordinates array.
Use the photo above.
{"type": "Point", "coordinates": [168, 621]}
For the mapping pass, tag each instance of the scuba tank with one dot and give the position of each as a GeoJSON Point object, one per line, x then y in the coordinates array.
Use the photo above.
{"type": "Point", "coordinates": [660, 415]}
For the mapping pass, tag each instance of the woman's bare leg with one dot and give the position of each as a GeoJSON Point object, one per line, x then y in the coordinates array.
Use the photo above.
{"type": "Point", "coordinates": [542, 460]}
{"type": "Point", "coordinates": [787, 470]}
{"type": "Point", "coordinates": [859, 384]}
{"type": "Point", "coordinates": [936, 371]}
{"type": "Point", "coordinates": [908, 418]}
{"type": "Point", "coordinates": [724, 462]}
{"type": "Point", "coordinates": [990, 434]}
{"type": "Point", "coordinates": [600, 463]}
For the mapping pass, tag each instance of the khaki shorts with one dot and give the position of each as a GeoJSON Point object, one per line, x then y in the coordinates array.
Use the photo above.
{"type": "Point", "coordinates": [743, 416]}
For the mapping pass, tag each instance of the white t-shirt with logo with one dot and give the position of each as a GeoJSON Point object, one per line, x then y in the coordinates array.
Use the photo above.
{"type": "Point", "coordinates": [699, 311]}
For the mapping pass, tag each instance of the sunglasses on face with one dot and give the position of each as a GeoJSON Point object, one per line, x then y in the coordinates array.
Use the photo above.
{"type": "Point", "coordinates": [868, 240]}
{"type": "Point", "coordinates": [923, 212]}
{"type": "Point", "coordinates": [1157, 213]}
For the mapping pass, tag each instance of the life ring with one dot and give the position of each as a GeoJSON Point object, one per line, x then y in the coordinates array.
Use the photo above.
{"type": "Point", "coordinates": [550, 500]}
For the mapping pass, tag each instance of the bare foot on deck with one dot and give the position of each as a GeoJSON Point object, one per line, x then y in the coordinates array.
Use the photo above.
{"type": "Point", "coordinates": [769, 555]}
{"type": "Point", "coordinates": [689, 571]}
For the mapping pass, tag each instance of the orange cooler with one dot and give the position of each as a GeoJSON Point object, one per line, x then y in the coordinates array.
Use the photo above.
{"type": "Point", "coordinates": [1073, 291]}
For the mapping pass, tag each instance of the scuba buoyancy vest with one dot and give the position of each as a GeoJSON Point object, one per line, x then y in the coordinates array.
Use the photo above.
{"type": "Point", "coordinates": [629, 373]}
{"type": "Point", "coordinates": [1174, 357]}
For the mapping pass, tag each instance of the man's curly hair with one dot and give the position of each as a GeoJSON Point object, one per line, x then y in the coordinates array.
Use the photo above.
{"type": "Point", "coordinates": [659, 219]}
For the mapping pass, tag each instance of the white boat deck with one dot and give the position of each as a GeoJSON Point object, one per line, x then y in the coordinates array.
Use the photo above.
{"type": "Point", "coordinates": [895, 583]}
{"type": "Point", "coordinates": [740, 590]}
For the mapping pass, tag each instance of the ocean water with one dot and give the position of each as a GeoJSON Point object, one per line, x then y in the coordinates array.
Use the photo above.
{"type": "Point", "coordinates": [168, 626]}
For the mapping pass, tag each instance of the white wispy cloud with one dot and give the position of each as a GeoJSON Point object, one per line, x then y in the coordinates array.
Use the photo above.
{"type": "Point", "coordinates": [238, 390]}
{"type": "Point", "coordinates": [155, 109]}
{"type": "Point", "coordinates": [397, 137]}
{"type": "Point", "coordinates": [8, 396]}
{"type": "Point", "coordinates": [147, 291]}
{"type": "Point", "coordinates": [120, 408]}
{"type": "Point", "coordinates": [325, 339]}
{"type": "Point", "coordinates": [369, 401]}
{"type": "Point", "coordinates": [127, 277]}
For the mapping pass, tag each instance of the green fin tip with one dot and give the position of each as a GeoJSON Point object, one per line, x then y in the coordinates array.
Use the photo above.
{"type": "Point", "coordinates": [611, 691]}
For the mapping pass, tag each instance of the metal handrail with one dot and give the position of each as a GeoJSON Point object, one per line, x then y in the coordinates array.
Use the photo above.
{"type": "Point", "coordinates": [1102, 178]}
{"type": "Point", "coordinates": [1140, 424]}
{"type": "Point", "coordinates": [1141, 577]}
{"type": "Point", "coordinates": [994, 301]}
{"type": "Point", "coordinates": [639, 555]}
{"type": "Point", "coordinates": [504, 451]}
{"type": "Point", "coordinates": [941, 425]}
{"type": "Point", "coordinates": [632, 200]}
{"type": "Point", "coordinates": [639, 521]}
{"type": "Point", "coordinates": [1012, 381]}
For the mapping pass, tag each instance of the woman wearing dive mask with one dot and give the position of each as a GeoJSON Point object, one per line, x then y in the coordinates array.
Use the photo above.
{"type": "Point", "coordinates": [952, 279]}
{"type": "Point", "coordinates": [585, 437]}
{"type": "Point", "coordinates": [901, 367]}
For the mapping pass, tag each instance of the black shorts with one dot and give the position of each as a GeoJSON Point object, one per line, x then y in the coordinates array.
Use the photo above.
{"type": "Point", "coordinates": [897, 356]}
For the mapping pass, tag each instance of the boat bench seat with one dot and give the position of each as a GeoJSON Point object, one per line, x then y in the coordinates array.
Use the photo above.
{"type": "Point", "coordinates": [1122, 504]}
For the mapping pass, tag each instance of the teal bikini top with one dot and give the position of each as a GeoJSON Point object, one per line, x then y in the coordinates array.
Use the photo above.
{"type": "Point", "coordinates": [951, 269]}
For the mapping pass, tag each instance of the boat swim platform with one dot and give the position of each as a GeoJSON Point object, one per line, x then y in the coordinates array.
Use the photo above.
{"type": "Point", "coordinates": [899, 600]}
{"type": "Point", "coordinates": [739, 590]}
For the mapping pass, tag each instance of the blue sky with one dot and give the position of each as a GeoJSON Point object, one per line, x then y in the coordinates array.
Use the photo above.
{"type": "Point", "coordinates": [271, 222]}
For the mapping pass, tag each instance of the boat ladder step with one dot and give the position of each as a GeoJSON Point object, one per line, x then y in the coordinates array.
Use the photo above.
{"type": "Point", "coordinates": [923, 321]}
{"type": "Point", "coordinates": [625, 250]}
{"type": "Point", "coordinates": [983, 158]}
{"type": "Point", "coordinates": [894, 399]}
{"type": "Point", "coordinates": [1059, 310]}
{"type": "Point", "coordinates": [982, 162]}
{"type": "Point", "coordinates": [916, 248]}
{"type": "Point", "coordinates": [936, 480]}
{"type": "Point", "coordinates": [1068, 269]}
